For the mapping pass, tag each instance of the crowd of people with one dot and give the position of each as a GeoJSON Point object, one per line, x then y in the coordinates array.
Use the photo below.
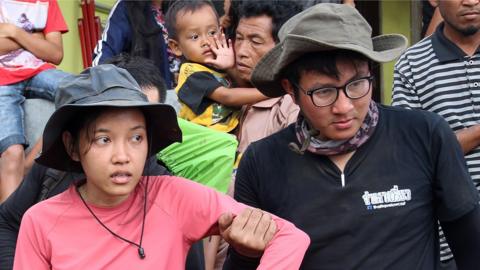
{"type": "Point", "coordinates": [271, 154]}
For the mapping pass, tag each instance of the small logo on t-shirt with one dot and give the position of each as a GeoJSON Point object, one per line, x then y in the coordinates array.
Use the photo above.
{"type": "Point", "coordinates": [391, 198]}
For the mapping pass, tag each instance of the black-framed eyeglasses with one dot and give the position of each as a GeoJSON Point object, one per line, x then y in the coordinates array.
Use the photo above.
{"type": "Point", "coordinates": [325, 96]}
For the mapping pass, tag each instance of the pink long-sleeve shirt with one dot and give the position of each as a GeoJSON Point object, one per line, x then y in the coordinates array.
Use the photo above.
{"type": "Point", "coordinates": [60, 233]}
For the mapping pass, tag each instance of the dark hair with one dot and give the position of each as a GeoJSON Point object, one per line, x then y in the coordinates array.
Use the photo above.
{"type": "Point", "coordinates": [183, 6]}
{"type": "Point", "coordinates": [279, 10]}
{"type": "Point", "coordinates": [80, 121]}
{"type": "Point", "coordinates": [143, 71]}
{"type": "Point", "coordinates": [147, 36]}
{"type": "Point", "coordinates": [324, 62]}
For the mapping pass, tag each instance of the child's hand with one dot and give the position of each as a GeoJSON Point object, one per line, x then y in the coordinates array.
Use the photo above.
{"type": "Point", "coordinates": [223, 50]}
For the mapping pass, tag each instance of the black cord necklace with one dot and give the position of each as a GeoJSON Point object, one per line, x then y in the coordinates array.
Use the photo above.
{"type": "Point", "coordinates": [141, 251]}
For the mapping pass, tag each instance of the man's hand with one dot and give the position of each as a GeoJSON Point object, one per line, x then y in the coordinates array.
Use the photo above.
{"type": "Point", "coordinates": [248, 233]}
{"type": "Point", "coordinates": [224, 55]}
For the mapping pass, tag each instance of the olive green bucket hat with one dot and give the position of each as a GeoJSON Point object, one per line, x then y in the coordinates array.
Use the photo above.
{"type": "Point", "coordinates": [323, 27]}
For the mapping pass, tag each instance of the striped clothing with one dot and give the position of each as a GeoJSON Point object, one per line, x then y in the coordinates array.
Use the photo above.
{"type": "Point", "coordinates": [436, 75]}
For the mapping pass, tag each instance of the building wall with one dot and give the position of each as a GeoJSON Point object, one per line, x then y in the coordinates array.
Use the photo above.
{"type": "Point", "coordinates": [395, 18]}
{"type": "Point", "coordinates": [72, 60]}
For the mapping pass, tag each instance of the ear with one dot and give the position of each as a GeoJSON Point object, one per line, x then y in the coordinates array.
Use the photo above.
{"type": "Point", "coordinates": [67, 142]}
{"type": "Point", "coordinates": [288, 87]}
{"type": "Point", "coordinates": [173, 44]}
{"type": "Point", "coordinates": [433, 3]}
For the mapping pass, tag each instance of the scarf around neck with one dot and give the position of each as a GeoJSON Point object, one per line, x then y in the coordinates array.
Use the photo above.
{"type": "Point", "coordinates": [308, 137]}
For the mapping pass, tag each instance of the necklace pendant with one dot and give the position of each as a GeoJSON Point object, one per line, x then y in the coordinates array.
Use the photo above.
{"type": "Point", "coordinates": [141, 253]}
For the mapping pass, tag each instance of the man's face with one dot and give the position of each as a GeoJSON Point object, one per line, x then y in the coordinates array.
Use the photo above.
{"type": "Point", "coordinates": [253, 40]}
{"type": "Point", "coordinates": [461, 16]}
{"type": "Point", "coordinates": [342, 119]}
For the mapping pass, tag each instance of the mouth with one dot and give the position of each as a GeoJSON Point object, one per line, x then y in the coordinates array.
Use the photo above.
{"type": "Point", "coordinates": [241, 66]}
{"type": "Point", "coordinates": [343, 123]}
{"type": "Point", "coordinates": [121, 177]}
{"type": "Point", "coordinates": [471, 14]}
{"type": "Point", "coordinates": [207, 53]}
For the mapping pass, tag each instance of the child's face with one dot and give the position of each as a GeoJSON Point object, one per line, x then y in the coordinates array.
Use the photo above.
{"type": "Point", "coordinates": [195, 34]}
{"type": "Point", "coordinates": [114, 157]}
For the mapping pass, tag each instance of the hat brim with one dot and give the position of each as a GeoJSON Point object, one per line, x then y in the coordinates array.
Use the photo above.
{"type": "Point", "coordinates": [265, 76]}
{"type": "Point", "coordinates": [161, 120]}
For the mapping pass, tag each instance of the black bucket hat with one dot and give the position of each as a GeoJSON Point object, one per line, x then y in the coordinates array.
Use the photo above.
{"type": "Point", "coordinates": [103, 86]}
{"type": "Point", "coordinates": [323, 27]}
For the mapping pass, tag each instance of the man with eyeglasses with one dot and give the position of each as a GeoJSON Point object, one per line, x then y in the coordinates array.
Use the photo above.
{"type": "Point", "coordinates": [366, 182]}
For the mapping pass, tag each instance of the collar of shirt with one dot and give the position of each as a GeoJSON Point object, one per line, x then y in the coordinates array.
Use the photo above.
{"type": "Point", "coordinates": [445, 49]}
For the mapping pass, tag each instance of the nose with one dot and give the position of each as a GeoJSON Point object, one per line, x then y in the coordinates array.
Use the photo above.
{"type": "Point", "coordinates": [205, 41]}
{"type": "Point", "coordinates": [241, 49]}
{"type": "Point", "coordinates": [120, 154]}
{"type": "Point", "coordinates": [343, 104]}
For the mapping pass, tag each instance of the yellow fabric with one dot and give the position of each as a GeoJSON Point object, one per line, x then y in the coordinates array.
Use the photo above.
{"type": "Point", "coordinates": [216, 116]}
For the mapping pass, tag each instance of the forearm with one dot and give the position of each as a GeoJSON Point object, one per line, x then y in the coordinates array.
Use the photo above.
{"type": "Point", "coordinates": [285, 251]}
{"type": "Point", "coordinates": [237, 97]}
{"type": "Point", "coordinates": [463, 236]}
{"type": "Point", "coordinates": [469, 138]}
{"type": "Point", "coordinates": [7, 45]}
{"type": "Point", "coordinates": [45, 49]}
{"type": "Point", "coordinates": [210, 249]}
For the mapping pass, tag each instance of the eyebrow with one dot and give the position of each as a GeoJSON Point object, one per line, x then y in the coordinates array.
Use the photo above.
{"type": "Point", "coordinates": [355, 77]}
{"type": "Point", "coordinates": [106, 130]}
{"type": "Point", "coordinates": [251, 35]}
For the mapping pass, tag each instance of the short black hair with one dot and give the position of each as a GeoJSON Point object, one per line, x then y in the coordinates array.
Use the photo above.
{"type": "Point", "coordinates": [279, 10]}
{"type": "Point", "coordinates": [143, 70]}
{"type": "Point", "coordinates": [324, 62]}
{"type": "Point", "coordinates": [183, 6]}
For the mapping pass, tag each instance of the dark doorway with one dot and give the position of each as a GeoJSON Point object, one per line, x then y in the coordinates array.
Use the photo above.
{"type": "Point", "coordinates": [370, 10]}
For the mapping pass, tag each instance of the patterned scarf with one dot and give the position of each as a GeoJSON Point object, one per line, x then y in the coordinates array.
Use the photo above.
{"type": "Point", "coordinates": [309, 141]}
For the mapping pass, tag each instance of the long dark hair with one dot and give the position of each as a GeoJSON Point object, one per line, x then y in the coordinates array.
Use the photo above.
{"type": "Point", "coordinates": [147, 36]}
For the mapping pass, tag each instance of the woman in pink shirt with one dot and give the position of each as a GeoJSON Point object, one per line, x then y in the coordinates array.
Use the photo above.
{"type": "Point", "coordinates": [116, 218]}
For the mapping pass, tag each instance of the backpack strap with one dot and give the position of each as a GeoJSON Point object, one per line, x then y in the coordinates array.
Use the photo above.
{"type": "Point", "coordinates": [51, 179]}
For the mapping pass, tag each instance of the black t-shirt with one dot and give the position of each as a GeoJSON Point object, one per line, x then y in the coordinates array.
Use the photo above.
{"type": "Point", "coordinates": [410, 173]}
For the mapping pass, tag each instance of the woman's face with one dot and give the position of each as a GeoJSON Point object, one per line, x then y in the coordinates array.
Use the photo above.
{"type": "Point", "coordinates": [113, 155]}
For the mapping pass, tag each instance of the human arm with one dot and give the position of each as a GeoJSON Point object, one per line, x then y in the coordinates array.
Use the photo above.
{"type": "Point", "coordinates": [49, 49]}
{"type": "Point", "coordinates": [7, 45]}
{"type": "Point", "coordinates": [248, 233]}
{"type": "Point", "coordinates": [198, 209]}
{"type": "Point", "coordinates": [116, 36]}
{"type": "Point", "coordinates": [404, 93]}
{"type": "Point", "coordinates": [236, 97]}
{"type": "Point", "coordinates": [463, 236]}
{"type": "Point", "coordinates": [245, 192]}
{"type": "Point", "coordinates": [197, 89]}
{"type": "Point", "coordinates": [455, 197]}
{"type": "Point", "coordinates": [469, 138]}
{"type": "Point", "coordinates": [12, 210]}
{"type": "Point", "coordinates": [32, 155]}
{"type": "Point", "coordinates": [31, 246]}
